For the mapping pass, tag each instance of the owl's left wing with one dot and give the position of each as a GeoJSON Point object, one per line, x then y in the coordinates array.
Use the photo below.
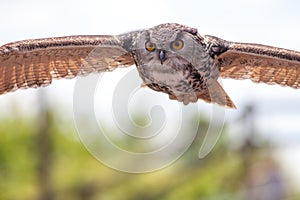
{"type": "Point", "coordinates": [257, 62]}
{"type": "Point", "coordinates": [34, 63]}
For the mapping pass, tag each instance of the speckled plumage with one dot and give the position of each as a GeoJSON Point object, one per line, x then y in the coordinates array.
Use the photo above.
{"type": "Point", "coordinates": [186, 74]}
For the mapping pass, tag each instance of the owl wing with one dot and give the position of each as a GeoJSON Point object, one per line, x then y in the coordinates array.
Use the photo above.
{"type": "Point", "coordinates": [34, 63]}
{"type": "Point", "coordinates": [257, 62]}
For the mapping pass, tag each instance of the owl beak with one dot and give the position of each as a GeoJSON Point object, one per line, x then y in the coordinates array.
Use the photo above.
{"type": "Point", "coordinates": [162, 56]}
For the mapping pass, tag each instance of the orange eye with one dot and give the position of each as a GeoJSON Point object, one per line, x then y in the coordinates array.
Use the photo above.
{"type": "Point", "coordinates": [150, 46]}
{"type": "Point", "coordinates": [177, 44]}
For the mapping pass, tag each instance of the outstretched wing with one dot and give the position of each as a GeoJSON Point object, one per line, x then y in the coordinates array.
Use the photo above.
{"type": "Point", "coordinates": [259, 63]}
{"type": "Point", "coordinates": [34, 63]}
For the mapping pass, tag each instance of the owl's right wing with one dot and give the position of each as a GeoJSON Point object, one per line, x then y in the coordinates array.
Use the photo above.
{"type": "Point", "coordinates": [34, 63]}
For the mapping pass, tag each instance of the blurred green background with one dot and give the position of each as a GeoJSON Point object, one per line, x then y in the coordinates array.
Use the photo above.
{"type": "Point", "coordinates": [40, 158]}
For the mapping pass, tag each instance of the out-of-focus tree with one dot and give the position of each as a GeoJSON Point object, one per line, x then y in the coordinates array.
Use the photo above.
{"type": "Point", "coordinates": [40, 160]}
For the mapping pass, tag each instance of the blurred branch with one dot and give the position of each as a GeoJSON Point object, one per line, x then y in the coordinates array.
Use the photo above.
{"type": "Point", "coordinates": [44, 148]}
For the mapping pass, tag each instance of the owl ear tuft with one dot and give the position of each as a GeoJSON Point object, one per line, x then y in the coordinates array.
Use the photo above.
{"type": "Point", "coordinates": [192, 31]}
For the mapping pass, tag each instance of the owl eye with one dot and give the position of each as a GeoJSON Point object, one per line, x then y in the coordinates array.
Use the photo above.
{"type": "Point", "coordinates": [177, 44]}
{"type": "Point", "coordinates": [150, 46]}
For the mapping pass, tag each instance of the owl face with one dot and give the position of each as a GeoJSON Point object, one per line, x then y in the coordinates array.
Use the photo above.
{"type": "Point", "coordinates": [168, 60]}
{"type": "Point", "coordinates": [164, 57]}
{"type": "Point", "coordinates": [165, 45]}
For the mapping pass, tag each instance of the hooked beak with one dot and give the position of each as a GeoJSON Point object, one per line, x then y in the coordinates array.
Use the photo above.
{"type": "Point", "coordinates": [162, 56]}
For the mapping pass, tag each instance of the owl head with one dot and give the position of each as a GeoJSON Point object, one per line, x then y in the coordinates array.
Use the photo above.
{"type": "Point", "coordinates": [168, 54]}
{"type": "Point", "coordinates": [164, 43]}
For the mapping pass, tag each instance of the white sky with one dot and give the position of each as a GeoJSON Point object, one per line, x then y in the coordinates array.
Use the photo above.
{"type": "Point", "coordinates": [271, 22]}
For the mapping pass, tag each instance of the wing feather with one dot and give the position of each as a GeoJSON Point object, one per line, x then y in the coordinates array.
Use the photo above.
{"type": "Point", "coordinates": [34, 63]}
{"type": "Point", "coordinates": [259, 63]}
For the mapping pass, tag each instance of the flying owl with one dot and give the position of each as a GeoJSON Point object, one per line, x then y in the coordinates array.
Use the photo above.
{"type": "Point", "coordinates": [170, 58]}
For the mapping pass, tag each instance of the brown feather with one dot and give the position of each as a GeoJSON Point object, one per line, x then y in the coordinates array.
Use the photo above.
{"type": "Point", "coordinates": [216, 94]}
{"type": "Point", "coordinates": [260, 64]}
{"type": "Point", "coordinates": [34, 63]}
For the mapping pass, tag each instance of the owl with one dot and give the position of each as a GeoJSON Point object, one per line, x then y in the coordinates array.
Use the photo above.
{"type": "Point", "coordinates": [170, 58]}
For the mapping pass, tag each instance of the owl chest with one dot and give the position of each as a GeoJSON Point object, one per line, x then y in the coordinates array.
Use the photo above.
{"type": "Point", "coordinates": [173, 81]}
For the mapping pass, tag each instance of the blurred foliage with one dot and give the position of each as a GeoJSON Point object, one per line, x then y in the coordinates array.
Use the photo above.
{"type": "Point", "coordinates": [74, 174]}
